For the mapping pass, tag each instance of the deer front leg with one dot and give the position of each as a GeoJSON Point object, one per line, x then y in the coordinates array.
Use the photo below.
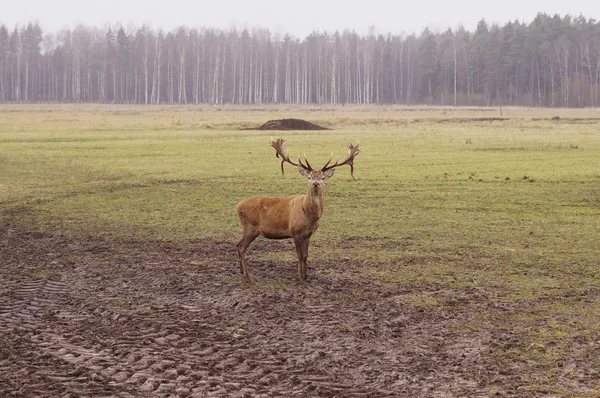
{"type": "Point", "coordinates": [304, 257]}
{"type": "Point", "coordinates": [298, 243]}
{"type": "Point", "coordinates": [302, 252]}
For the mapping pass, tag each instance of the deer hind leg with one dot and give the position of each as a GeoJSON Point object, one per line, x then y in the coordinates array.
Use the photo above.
{"type": "Point", "coordinates": [248, 238]}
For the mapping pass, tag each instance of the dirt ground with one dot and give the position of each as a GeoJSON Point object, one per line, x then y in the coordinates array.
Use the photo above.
{"type": "Point", "coordinates": [290, 124]}
{"type": "Point", "coordinates": [137, 319]}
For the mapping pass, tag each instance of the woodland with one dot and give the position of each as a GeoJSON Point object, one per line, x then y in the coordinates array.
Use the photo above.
{"type": "Point", "coordinates": [551, 61]}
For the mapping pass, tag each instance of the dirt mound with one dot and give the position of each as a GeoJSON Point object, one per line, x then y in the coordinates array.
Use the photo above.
{"type": "Point", "coordinates": [290, 124]}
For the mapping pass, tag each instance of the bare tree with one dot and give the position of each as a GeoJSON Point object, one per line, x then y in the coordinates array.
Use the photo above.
{"type": "Point", "coordinates": [156, 75]}
{"type": "Point", "coordinates": [562, 50]}
{"type": "Point", "coordinates": [4, 51]}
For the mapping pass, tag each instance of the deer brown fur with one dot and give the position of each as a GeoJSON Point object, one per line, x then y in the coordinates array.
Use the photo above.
{"type": "Point", "coordinates": [296, 216]}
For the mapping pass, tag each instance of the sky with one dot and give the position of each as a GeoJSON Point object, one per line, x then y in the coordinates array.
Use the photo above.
{"type": "Point", "coordinates": [299, 17]}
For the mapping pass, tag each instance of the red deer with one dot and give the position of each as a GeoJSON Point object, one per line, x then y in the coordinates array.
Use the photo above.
{"type": "Point", "coordinates": [294, 216]}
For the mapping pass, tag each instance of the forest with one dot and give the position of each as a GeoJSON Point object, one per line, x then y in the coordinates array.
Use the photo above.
{"type": "Point", "coordinates": [552, 61]}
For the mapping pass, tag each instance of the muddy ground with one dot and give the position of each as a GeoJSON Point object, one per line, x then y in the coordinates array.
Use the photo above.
{"type": "Point", "coordinates": [137, 319]}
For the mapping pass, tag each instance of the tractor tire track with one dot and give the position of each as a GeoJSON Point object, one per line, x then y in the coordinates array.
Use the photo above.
{"type": "Point", "coordinates": [130, 319]}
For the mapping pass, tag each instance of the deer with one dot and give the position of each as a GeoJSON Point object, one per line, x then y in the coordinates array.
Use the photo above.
{"type": "Point", "coordinates": [297, 216]}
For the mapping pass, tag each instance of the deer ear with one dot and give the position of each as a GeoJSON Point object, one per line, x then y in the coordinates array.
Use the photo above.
{"type": "Point", "coordinates": [303, 171]}
{"type": "Point", "coordinates": [329, 173]}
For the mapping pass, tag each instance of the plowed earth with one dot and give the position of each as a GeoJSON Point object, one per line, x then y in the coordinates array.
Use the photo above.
{"type": "Point", "coordinates": [136, 319]}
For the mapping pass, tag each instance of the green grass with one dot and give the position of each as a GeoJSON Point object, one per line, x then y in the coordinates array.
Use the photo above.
{"type": "Point", "coordinates": [507, 208]}
{"type": "Point", "coordinates": [517, 192]}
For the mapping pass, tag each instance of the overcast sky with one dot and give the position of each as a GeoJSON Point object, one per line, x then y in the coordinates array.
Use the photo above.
{"type": "Point", "coordinates": [299, 17]}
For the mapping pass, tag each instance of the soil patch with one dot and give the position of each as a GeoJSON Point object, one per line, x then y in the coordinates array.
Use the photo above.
{"type": "Point", "coordinates": [289, 124]}
{"type": "Point", "coordinates": [91, 317]}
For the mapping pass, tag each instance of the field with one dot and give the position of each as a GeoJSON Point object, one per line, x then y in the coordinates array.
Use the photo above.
{"type": "Point", "coordinates": [463, 262]}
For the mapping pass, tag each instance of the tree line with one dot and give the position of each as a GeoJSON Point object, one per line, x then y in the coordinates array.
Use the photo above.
{"type": "Point", "coordinates": [552, 61]}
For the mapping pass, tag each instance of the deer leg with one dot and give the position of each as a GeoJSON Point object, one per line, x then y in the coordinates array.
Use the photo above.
{"type": "Point", "coordinates": [299, 242]}
{"type": "Point", "coordinates": [242, 246]}
{"type": "Point", "coordinates": [305, 243]}
{"type": "Point", "coordinates": [302, 252]}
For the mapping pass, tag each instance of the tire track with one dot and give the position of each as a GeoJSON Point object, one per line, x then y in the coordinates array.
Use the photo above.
{"type": "Point", "coordinates": [146, 321]}
{"type": "Point", "coordinates": [47, 363]}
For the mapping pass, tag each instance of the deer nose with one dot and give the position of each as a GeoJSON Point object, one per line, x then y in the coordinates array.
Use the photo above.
{"type": "Point", "coordinates": [315, 184]}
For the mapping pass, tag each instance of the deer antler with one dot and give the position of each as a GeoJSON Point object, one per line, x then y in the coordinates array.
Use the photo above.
{"type": "Point", "coordinates": [352, 152]}
{"type": "Point", "coordinates": [279, 145]}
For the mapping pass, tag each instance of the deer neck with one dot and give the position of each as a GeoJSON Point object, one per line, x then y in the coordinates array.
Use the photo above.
{"type": "Point", "coordinates": [314, 203]}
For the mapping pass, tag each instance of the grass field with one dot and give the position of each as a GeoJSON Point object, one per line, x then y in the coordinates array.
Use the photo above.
{"type": "Point", "coordinates": [486, 220]}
